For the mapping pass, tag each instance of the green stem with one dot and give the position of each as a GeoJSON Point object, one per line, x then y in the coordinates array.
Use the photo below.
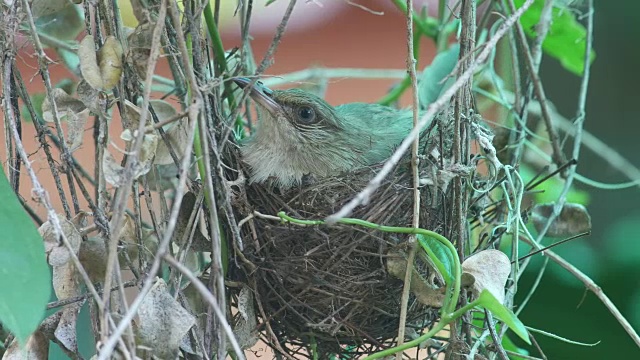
{"type": "Point", "coordinates": [413, 343]}
{"type": "Point", "coordinates": [444, 321]}
{"type": "Point", "coordinates": [218, 53]}
{"type": "Point", "coordinates": [397, 91]}
{"type": "Point", "coordinates": [448, 312]}
{"type": "Point", "coordinates": [197, 149]}
{"type": "Point", "coordinates": [428, 26]}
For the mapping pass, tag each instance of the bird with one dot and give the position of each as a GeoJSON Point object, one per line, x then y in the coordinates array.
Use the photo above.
{"type": "Point", "coordinates": [299, 134]}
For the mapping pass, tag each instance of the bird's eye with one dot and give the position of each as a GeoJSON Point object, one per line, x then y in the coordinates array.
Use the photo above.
{"type": "Point", "coordinates": [306, 114]}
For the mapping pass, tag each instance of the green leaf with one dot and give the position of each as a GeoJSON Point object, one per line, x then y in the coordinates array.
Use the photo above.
{"type": "Point", "coordinates": [25, 281]}
{"type": "Point", "coordinates": [433, 78]}
{"type": "Point", "coordinates": [70, 60]}
{"type": "Point", "coordinates": [489, 302]}
{"type": "Point", "coordinates": [36, 100]}
{"type": "Point", "coordinates": [507, 343]}
{"type": "Point", "coordinates": [60, 26]}
{"type": "Point", "coordinates": [442, 254]}
{"type": "Point", "coordinates": [566, 38]}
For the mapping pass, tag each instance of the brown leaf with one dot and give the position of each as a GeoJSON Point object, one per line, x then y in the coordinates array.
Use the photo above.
{"type": "Point", "coordinates": [425, 292]}
{"type": "Point", "coordinates": [574, 219]}
{"type": "Point", "coordinates": [89, 63]}
{"type": "Point", "coordinates": [90, 97]}
{"type": "Point", "coordinates": [110, 62]}
{"type": "Point", "coordinates": [114, 172]}
{"type": "Point", "coordinates": [75, 128]}
{"type": "Point", "coordinates": [182, 231]}
{"type": "Point", "coordinates": [64, 102]}
{"type": "Point", "coordinates": [245, 326]}
{"type": "Point", "coordinates": [58, 254]}
{"type": "Point", "coordinates": [93, 257]}
{"type": "Point", "coordinates": [36, 348]}
{"type": "Point", "coordinates": [140, 47]}
{"type": "Point", "coordinates": [101, 69]}
{"type": "Point", "coordinates": [127, 241]}
{"type": "Point", "coordinates": [163, 321]}
{"type": "Point", "coordinates": [65, 332]}
{"type": "Point", "coordinates": [490, 270]}
{"type": "Point", "coordinates": [66, 281]}
{"type": "Point", "coordinates": [163, 177]}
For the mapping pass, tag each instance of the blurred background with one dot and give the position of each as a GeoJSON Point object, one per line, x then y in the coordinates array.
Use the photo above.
{"type": "Point", "coordinates": [338, 34]}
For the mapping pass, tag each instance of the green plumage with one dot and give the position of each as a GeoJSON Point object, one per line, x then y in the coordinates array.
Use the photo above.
{"type": "Point", "coordinates": [299, 133]}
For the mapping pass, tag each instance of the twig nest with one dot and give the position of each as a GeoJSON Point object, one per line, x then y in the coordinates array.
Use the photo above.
{"type": "Point", "coordinates": [341, 285]}
{"type": "Point", "coordinates": [330, 285]}
{"type": "Point", "coordinates": [331, 282]}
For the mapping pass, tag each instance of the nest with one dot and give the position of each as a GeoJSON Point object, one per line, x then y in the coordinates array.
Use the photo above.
{"type": "Point", "coordinates": [329, 285]}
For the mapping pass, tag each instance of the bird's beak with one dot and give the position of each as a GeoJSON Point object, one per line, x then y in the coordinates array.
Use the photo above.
{"type": "Point", "coordinates": [260, 93]}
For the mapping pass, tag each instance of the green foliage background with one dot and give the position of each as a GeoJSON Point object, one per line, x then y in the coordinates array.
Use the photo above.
{"type": "Point", "coordinates": [611, 256]}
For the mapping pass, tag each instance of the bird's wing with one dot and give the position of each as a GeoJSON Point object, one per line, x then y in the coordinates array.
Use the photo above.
{"type": "Point", "coordinates": [375, 130]}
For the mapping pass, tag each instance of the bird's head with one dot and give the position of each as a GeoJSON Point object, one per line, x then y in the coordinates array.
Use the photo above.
{"type": "Point", "coordinates": [307, 116]}
{"type": "Point", "coordinates": [298, 133]}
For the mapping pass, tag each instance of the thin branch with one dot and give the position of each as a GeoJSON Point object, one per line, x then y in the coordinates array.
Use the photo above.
{"type": "Point", "coordinates": [267, 60]}
{"type": "Point", "coordinates": [591, 285]}
{"type": "Point", "coordinates": [558, 156]}
{"type": "Point", "coordinates": [332, 73]}
{"type": "Point", "coordinates": [194, 109]}
{"type": "Point", "coordinates": [209, 298]}
{"type": "Point", "coordinates": [497, 342]}
{"type": "Point", "coordinates": [406, 289]}
{"type": "Point", "coordinates": [124, 190]}
{"type": "Point", "coordinates": [78, 298]}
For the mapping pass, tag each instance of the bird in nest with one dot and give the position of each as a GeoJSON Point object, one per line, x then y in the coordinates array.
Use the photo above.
{"type": "Point", "coordinates": [300, 134]}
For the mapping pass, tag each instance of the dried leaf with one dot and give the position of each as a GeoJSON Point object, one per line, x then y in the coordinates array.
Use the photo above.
{"type": "Point", "coordinates": [175, 132]}
{"type": "Point", "coordinates": [163, 322]}
{"type": "Point", "coordinates": [101, 70]}
{"type": "Point", "coordinates": [89, 63]}
{"type": "Point", "coordinates": [425, 292]}
{"type": "Point", "coordinates": [177, 136]}
{"type": "Point", "coordinates": [245, 326]}
{"type": "Point", "coordinates": [182, 232]}
{"type": "Point", "coordinates": [140, 47]}
{"type": "Point", "coordinates": [114, 172]}
{"type": "Point", "coordinates": [93, 257]}
{"type": "Point", "coordinates": [110, 62]}
{"type": "Point", "coordinates": [574, 219]}
{"type": "Point", "coordinates": [58, 254]}
{"type": "Point", "coordinates": [490, 270]}
{"type": "Point", "coordinates": [127, 241]}
{"type": "Point", "coordinates": [36, 348]}
{"type": "Point", "coordinates": [65, 332]}
{"type": "Point", "coordinates": [64, 102]}
{"type": "Point", "coordinates": [66, 281]}
{"type": "Point", "coordinates": [132, 114]}
{"type": "Point", "coordinates": [147, 153]}
{"type": "Point", "coordinates": [75, 130]}
{"type": "Point", "coordinates": [163, 177]}
{"type": "Point", "coordinates": [90, 97]}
